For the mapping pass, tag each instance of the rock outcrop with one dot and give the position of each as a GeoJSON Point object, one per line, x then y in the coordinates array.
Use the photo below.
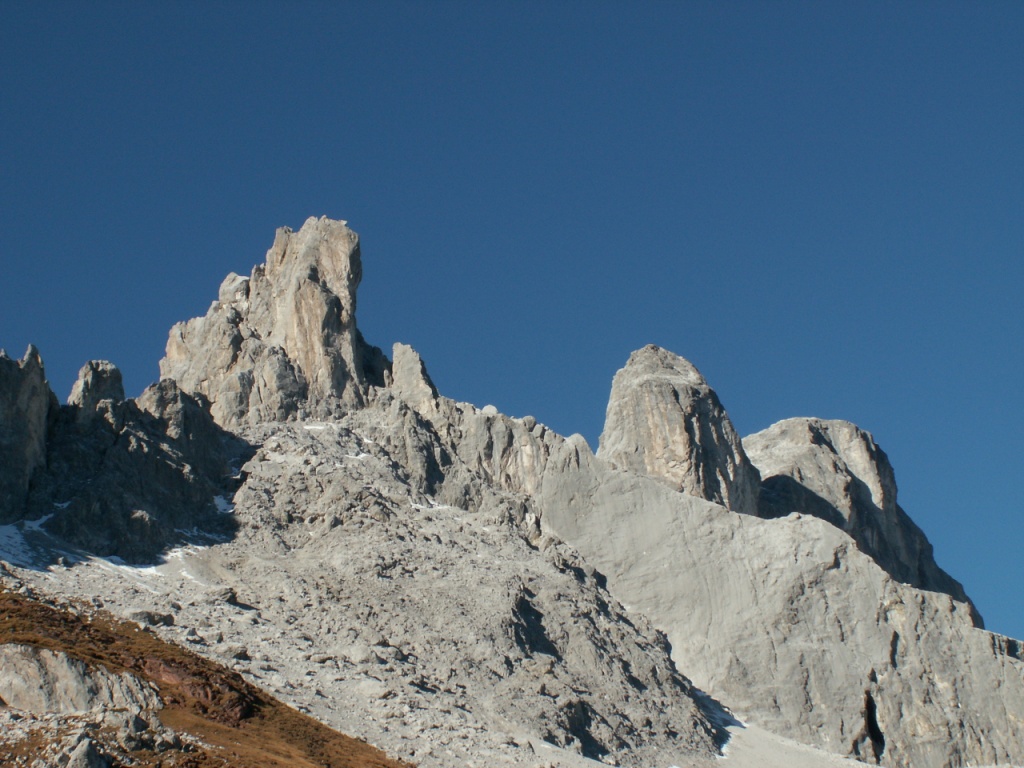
{"type": "Point", "coordinates": [445, 579]}
{"type": "Point", "coordinates": [131, 478]}
{"type": "Point", "coordinates": [26, 406]}
{"type": "Point", "coordinates": [663, 420]}
{"type": "Point", "coordinates": [39, 680]}
{"type": "Point", "coordinates": [284, 340]}
{"type": "Point", "coordinates": [98, 380]}
{"type": "Point", "coordinates": [836, 471]}
{"type": "Point", "coordinates": [792, 626]}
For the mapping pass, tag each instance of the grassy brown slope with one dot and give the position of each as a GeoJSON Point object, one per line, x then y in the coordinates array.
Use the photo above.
{"type": "Point", "coordinates": [245, 727]}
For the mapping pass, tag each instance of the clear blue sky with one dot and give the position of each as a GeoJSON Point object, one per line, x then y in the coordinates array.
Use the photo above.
{"type": "Point", "coordinates": [820, 204]}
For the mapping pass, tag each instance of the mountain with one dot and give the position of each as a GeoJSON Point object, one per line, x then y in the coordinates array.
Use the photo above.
{"type": "Point", "coordinates": [457, 586]}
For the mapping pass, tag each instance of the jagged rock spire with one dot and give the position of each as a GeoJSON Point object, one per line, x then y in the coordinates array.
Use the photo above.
{"type": "Point", "coordinates": [664, 420]}
{"type": "Point", "coordinates": [26, 404]}
{"type": "Point", "coordinates": [285, 338]}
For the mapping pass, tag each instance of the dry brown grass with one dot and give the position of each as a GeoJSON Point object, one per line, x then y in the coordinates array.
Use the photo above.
{"type": "Point", "coordinates": [244, 727]}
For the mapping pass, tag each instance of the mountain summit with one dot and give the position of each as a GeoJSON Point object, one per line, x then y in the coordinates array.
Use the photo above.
{"type": "Point", "coordinates": [462, 587]}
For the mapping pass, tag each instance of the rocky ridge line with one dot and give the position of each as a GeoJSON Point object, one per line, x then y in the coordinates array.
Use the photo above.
{"type": "Point", "coordinates": [396, 490]}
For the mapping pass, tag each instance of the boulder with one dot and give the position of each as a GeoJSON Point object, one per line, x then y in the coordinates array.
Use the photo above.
{"type": "Point", "coordinates": [43, 681]}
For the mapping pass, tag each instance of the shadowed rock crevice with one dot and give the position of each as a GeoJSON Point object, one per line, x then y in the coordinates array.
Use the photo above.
{"type": "Point", "coordinates": [528, 628]}
{"type": "Point", "coordinates": [870, 744]}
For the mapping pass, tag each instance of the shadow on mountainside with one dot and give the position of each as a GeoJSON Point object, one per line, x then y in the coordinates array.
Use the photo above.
{"type": "Point", "coordinates": [891, 539]}
{"type": "Point", "coordinates": [130, 480]}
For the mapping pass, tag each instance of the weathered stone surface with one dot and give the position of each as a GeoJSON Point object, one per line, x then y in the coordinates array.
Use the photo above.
{"type": "Point", "coordinates": [135, 477]}
{"type": "Point", "coordinates": [39, 680]}
{"type": "Point", "coordinates": [836, 471]}
{"type": "Point", "coordinates": [86, 755]}
{"type": "Point", "coordinates": [98, 380]}
{"type": "Point", "coordinates": [388, 613]}
{"type": "Point", "coordinates": [410, 380]}
{"type": "Point", "coordinates": [283, 339]}
{"type": "Point", "coordinates": [793, 627]}
{"type": "Point", "coordinates": [26, 406]}
{"type": "Point", "coordinates": [398, 567]}
{"type": "Point", "coordinates": [663, 420]}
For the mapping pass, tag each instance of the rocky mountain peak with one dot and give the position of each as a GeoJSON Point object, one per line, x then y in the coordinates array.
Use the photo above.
{"type": "Point", "coordinates": [834, 470]}
{"type": "Point", "coordinates": [26, 406]}
{"type": "Point", "coordinates": [284, 340]}
{"type": "Point", "coordinates": [98, 380]}
{"type": "Point", "coordinates": [664, 420]}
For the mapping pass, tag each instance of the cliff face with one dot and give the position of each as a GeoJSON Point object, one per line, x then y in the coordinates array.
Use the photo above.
{"type": "Point", "coordinates": [664, 421]}
{"type": "Point", "coordinates": [446, 579]}
{"type": "Point", "coordinates": [282, 342]}
{"type": "Point", "coordinates": [835, 471]}
{"type": "Point", "coordinates": [26, 405]}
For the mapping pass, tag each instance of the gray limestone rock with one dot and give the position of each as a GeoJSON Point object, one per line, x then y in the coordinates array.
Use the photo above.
{"type": "Point", "coordinates": [98, 381]}
{"type": "Point", "coordinates": [410, 380]}
{"type": "Point", "coordinates": [836, 471]}
{"type": "Point", "coordinates": [41, 681]}
{"type": "Point", "coordinates": [362, 599]}
{"type": "Point", "coordinates": [395, 563]}
{"type": "Point", "coordinates": [283, 339]}
{"type": "Point", "coordinates": [792, 626]}
{"type": "Point", "coordinates": [663, 420]}
{"type": "Point", "coordinates": [136, 476]}
{"type": "Point", "coordinates": [86, 755]}
{"type": "Point", "coordinates": [26, 408]}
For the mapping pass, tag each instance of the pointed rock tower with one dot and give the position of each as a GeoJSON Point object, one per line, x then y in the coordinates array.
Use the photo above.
{"type": "Point", "coordinates": [665, 421]}
{"type": "Point", "coordinates": [284, 339]}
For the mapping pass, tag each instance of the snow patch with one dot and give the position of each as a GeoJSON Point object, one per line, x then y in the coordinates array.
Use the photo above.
{"type": "Point", "coordinates": [35, 525]}
{"type": "Point", "coordinates": [14, 549]}
{"type": "Point", "coordinates": [224, 506]}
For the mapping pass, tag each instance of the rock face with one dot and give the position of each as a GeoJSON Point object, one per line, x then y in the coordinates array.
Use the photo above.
{"type": "Point", "coordinates": [283, 340]}
{"type": "Point", "coordinates": [664, 421]}
{"type": "Point", "coordinates": [836, 471]}
{"type": "Point", "coordinates": [26, 405]}
{"type": "Point", "coordinates": [452, 632]}
{"type": "Point", "coordinates": [793, 627]}
{"type": "Point", "coordinates": [127, 478]}
{"type": "Point", "coordinates": [97, 381]}
{"type": "Point", "coordinates": [39, 680]}
{"type": "Point", "coordinates": [445, 580]}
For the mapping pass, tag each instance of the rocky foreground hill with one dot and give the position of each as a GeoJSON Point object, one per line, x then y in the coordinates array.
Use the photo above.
{"type": "Point", "coordinates": [460, 587]}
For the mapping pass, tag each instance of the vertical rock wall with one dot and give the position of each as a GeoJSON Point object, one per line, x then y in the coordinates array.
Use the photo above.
{"type": "Point", "coordinates": [26, 406]}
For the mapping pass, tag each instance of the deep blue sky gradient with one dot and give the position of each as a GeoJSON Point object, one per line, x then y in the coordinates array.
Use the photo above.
{"type": "Point", "coordinates": [819, 204]}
